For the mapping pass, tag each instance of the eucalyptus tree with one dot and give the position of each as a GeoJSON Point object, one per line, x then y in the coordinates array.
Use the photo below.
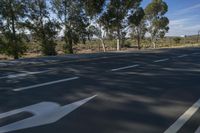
{"type": "Point", "coordinates": [12, 14]}
{"type": "Point", "coordinates": [73, 20]}
{"type": "Point", "coordinates": [98, 33]}
{"type": "Point", "coordinates": [114, 18]}
{"type": "Point", "coordinates": [137, 24]}
{"type": "Point", "coordinates": [94, 9]}
{"type": "Point", "coordinates": [156, 20]}
{"type": "Point", "coordinates": [42, 27]}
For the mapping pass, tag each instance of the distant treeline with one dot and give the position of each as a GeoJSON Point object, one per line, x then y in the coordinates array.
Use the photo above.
{"type": "Point", "coordinates": [78, 21]}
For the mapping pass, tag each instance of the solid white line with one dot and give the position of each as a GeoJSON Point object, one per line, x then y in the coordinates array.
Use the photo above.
{"type": "Point", "coordinates": [23, 74]}
{"type": "Point", "coordinates": [181, 56]}
{"type": "Point", "coordinates": [122, 68]}
{"type": "Point", "coordinates": [184, 118]}
{"type": "Point", "coordinates": [44, 84]}
{"type": "Point", "coordinates": [162, 60]}
{"type": "Point", "coordinates": [198, 130]}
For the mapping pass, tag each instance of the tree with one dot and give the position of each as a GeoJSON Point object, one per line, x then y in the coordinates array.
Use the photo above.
{"type": "Point", "coordinates": [41, 26]}
{"type": "Point", "coordinates": [96, 31]}
{"type": "Point", "coordinates": [137, 24]}
{"type": "Point", "coordinates": [113, 19]}
{"type": "Point", "coordinates": [177, 40]}
{"type": "Point", "coordinates": [73, 19]}
{"type": "Point", "coordinates": [12, 14]}
{"type": "Point", "coordinates": [93, 7]}
{"type": "Point", "coordinates": [157, 22]}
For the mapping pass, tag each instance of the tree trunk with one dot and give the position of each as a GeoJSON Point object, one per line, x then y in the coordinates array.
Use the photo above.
{"type": "Point", "coordinates": [118, 40]}
{"type": "Point", "coordinates": [103, 45]}
{"type": "Point", "coordinates": [153, 42]}
{"type": "Point", "coordinates": [138, 41]}
{"type": "Point", "coordinates": [15, 47]}
{"type": "Point", "coordinates": [118, 44]}
{"type": "Point", "coordinates": [68, 42]}
{"type": "Point", "coordinates": [70, 47]}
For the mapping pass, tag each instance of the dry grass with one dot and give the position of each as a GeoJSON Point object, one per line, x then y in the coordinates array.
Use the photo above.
{"type": "Point", "coordinates": [94, 46]}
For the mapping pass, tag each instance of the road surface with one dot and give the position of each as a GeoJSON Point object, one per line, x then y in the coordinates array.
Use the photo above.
{"type": "Point", "coordinates": [148, 92]}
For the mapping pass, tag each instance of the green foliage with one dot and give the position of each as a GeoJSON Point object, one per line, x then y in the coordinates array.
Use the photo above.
{"type": "Point", "coordinates": [73, 19]}
{"type": "Point", "coordinates": [93, 7]}
{"type": "Point", "coordinates": [157, 22]}
{"type": "Point", "coordinates": [12, 13]}
{"type": "Point", "coordinates": [114, 19]}
{"type": "Point", "coordinates": [177, 40]}
{"type": "Point", "coordinates": [43, 29]}
{"type": "Point", "coordinates": [137, 24]}
{"type": "Point", "coordinates": [78, 20]}
{"type": "Point", "coordinates": [137, 16]}
{"type": "Point", "coordinates": [19, 47]}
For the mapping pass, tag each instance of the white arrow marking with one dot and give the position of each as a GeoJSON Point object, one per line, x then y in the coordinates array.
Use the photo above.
{"type": "Point", "coordinates": [44, 113]}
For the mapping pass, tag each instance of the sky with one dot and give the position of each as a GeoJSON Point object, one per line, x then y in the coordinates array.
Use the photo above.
{"type": "Point", "coordinates": [184, 16]}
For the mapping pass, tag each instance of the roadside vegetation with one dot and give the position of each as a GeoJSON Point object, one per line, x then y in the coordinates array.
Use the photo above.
{"type": "Point", "coordinates": [41, 27]}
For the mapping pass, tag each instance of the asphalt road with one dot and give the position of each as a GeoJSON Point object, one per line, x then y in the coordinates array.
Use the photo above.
{"type": "Point", "coordinates": [147, 92]}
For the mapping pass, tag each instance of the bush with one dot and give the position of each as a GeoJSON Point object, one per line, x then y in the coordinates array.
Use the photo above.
{"type": "Point", "coordinates": [177, 40]}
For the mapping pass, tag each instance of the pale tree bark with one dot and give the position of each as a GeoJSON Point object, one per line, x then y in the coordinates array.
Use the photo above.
{"type": "Point", "coordinates": [118, 44]}
{"type": "Point", "coordinates": [153, 42]}
{"type": "Point", "coordinates": [118, 40]}
{"type": "Point", "coordinates": [138, 38]}
{"type": "Point", "coordinates": [103, 45]}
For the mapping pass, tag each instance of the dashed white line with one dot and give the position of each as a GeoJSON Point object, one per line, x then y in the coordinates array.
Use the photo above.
{"type": "Point", "coordinates": [122, 68]}
{"type": "Point", "coordinates": [162, 60]}
{"type": "Point", "coordinates": [198, 130]}
{"type": "Point", "coordinates": [181, 56]}
{"type": "Point", "coordinates": [23, 74]}
{"type": "Point", "coordinates": [44, 84]}
{"type": "Point", "coordinates": [195, 53]}
{"type": "Point", "coordinates": [184, 118]}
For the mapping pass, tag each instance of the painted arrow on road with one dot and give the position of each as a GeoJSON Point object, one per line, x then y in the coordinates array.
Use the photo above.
{"type": "Point", "coordinates": [43, 113]}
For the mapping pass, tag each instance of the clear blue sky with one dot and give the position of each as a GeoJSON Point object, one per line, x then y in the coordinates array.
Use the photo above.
{"type": "Point", "coordinates": [184, 16]}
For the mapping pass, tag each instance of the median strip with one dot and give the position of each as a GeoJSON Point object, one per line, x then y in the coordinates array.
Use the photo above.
{"type": "Point", "coordinates": [122, 68]}
{"type": "Point", "coordinates": [45, 84]}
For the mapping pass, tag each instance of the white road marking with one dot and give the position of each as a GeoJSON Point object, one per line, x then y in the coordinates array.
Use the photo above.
{"type": "Point", "coordinates": [43, 113]}
{"type": "Point", "coordinates": [162, 60]}
{"type": "Point", "coordinates": [198, 130]}
{"type": "Point", "coordinates": [181, 56]}
{"type": "Point", "coordinates": [44, 84]}
{"type": "Point", "coordinates": [195, 53]}
{"type": "Point", "coordinates": [184, 118]}
{"type": "Point", "coordinates": [23, 74]}
{"type": "Point", "coordinates": [122, 68]}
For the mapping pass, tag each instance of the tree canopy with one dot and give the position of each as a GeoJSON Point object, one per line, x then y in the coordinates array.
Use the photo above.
{"type": "Point", "coordinates": [76, 21]}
